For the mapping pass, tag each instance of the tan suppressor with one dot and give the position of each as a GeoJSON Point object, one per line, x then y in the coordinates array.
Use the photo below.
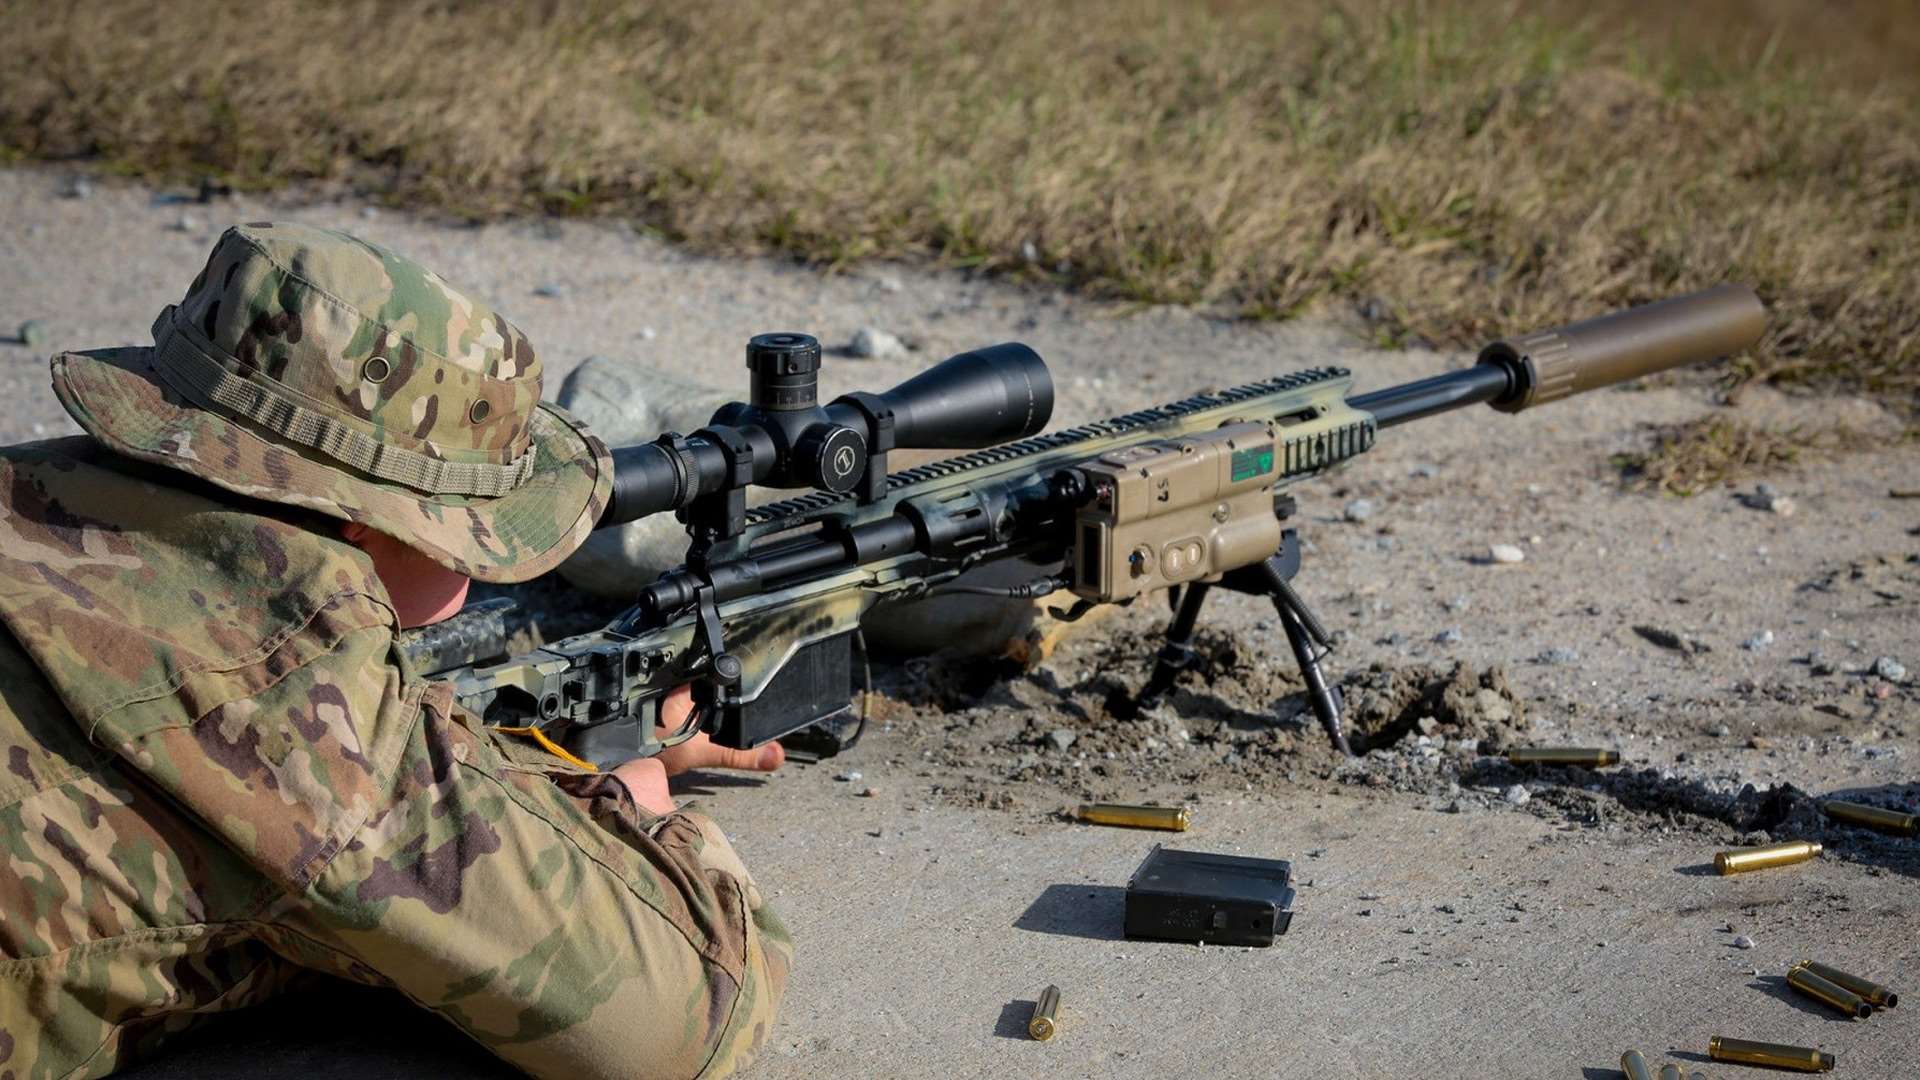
{"type": "Point", "coordinates": [1873, 817]}
{"type": "Point", "coordinates": [1828, 992]}
{"type": "Point", "coordinates": [1572, 756]}
{"type": "Point", "coordinates": [1170, 818]}
{"type": "Point", "coordinates": [1046, 1015]}
{"type": "Point", "coordinates": [1741, 860]}
{"type": "Point", "coordinates": [1880, 997]}
{"type": "Point", "coordinates": [1634, 1064]}
{"type": "Point", "coordinates": [1778, 1055]}
{"type": "Point", "coordinates": [1613, 348]}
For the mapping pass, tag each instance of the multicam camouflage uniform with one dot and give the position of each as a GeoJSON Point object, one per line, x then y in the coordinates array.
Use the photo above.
{"type": "Point", "coordinates": [218, 775]}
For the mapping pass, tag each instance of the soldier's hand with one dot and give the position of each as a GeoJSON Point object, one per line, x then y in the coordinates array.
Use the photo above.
{"type": "Point", "coordinates": [646, 781]}
{"type": "Point", "coordinates": [699, 751]}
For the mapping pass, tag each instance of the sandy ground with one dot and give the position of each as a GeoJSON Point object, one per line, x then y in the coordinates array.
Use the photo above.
{"type": "Point", "coordinates": [1582, 921]}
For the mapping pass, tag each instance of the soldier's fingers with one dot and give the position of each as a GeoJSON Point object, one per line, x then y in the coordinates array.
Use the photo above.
{"type": "Point", "coordinates": [759, 759]}
{"type": "Point", "coordinates": [675, 707]}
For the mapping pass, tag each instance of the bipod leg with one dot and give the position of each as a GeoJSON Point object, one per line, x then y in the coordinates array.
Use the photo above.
{"type": "Point", "coordinates": [1303, 633]}
{"type": "Point", "coordinates": [1176, 655]}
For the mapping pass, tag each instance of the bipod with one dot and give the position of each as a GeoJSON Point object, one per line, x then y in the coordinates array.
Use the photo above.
{"type": "Point", "coordinates": [1272, 578]}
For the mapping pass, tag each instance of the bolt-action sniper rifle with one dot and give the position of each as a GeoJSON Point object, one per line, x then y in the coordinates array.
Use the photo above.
{"type": "Point", "coordinates": [764, 616]}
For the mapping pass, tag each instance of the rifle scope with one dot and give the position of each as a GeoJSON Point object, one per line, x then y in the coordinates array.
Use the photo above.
{"type": "Point", "coordinates": [783, 437]}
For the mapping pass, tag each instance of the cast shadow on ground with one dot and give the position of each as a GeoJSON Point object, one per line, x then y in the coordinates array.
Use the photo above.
{"type": "Point", "coordinates": [1097, 912]}
{"type": "Point", "coordinates": [1705, 869]}
{"type": "Point", "coordinates": [703, 782]}
{"type": "Point", "coordinates": [1012, 1023]}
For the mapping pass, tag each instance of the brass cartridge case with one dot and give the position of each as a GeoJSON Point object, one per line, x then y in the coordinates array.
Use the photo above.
{"type": "Point", "coordinates": [1635, 1066]}
{"type": "Point", "coordinates": [1046, 1015]}
{"type": "Point", "coordinates": [1827, 992]}
{"type": "Point", "coordinates": [1741, 860]}
{"type": "Point", "coordinates": [1880, 997]}
{"type": "Point", "coordinates": [1170, 818]}
{"type": "Point", "coordinates": [1669, 1072]}
{"type": "Point", "coordinates": [1873, 817]}
{"type": "Point", "coordinates": [1778, 1055]}
{"type": "Point", "coordinates": [1571, 756]}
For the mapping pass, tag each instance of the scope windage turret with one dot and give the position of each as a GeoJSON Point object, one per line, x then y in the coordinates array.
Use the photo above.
{"type": "Point", "coordinates": [966, 402]}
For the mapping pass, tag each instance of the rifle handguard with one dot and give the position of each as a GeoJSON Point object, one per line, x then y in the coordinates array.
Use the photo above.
{"type": "Point", "coordinates": [1551, 364]}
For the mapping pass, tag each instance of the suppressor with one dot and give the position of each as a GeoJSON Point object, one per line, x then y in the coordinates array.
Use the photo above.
{"type": "Point", "coordinates": [1778, 1055]}
{"type": "Point", "coordinates": [1741, 860]}
{"type": "Point", "coordinates": [1873, 817]}
{"type": "Point", "coordinates": [1880, 997]}
{"type": "Point", "coordinates": [1571, 756]}
{"type": "Point", "coordinates": [1046, 1015]}
{"type": "Point", "coordinates": [1170, 818]}
{"type": "Point", "coordinates": [1828, 992]}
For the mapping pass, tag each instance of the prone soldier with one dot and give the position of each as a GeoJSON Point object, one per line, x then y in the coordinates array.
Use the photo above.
{"type": "Point", "coordinates": [221, 775]}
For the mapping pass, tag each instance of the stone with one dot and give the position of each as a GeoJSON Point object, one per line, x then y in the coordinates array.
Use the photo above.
{"type": "Point", "coordinates": [873, 343]}
{"type": "Point", "coordinates": [550, 291]}
{"type": "Point", "coordinates": [1559, 654]}
{"type": "Point", "coordinates": [33, 333]}
{"type": "Point", "coordinates": [1493, 708]}
{"type": "Point", "coordinates": [1889, 669]}
{"type": "Point", "coordinates": [1505, 553]}
{"type": "Point", "coordinates": [1449, 636]}
{"type": "Point", "coordinates": [887, 283]}
{"type": "Point", "coordinates": [1061, 738]}
{"type": "Point", "coordinates": [1764, 497]}
{"type": "Point", "coordinates": [1424, 471]}
{"type": "Point", "coordinates": [1517, 795]}
{"type": "Point", "coordinates": [1358, 510]}
{"type": "Point", "coordinates": [849, 776]}
{"type": "Point", "coordinates": [648, 333]}
{"type": "Point", "coordinates": [77, 188]}
{"type": "Point", "coordinates": [1758, 642]}
{"type": "Point", "coordinates": [1742, 941]}
{"type": "Point", "coordinates": [186, 223]}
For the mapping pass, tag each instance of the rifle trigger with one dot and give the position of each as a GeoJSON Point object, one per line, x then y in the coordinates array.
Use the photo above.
{"type": "Point", "coordinates": [1073, 614]}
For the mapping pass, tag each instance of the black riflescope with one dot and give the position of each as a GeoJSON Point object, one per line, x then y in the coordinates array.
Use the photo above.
{"type": "Point", "coordinates": [973, 400]}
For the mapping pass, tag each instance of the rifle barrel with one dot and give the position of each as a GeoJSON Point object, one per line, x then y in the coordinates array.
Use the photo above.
{"type": "Point", "coordinates": [1520, 372]}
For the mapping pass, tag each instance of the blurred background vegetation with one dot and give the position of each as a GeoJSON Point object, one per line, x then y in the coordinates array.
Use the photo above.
{"type": "Point", "coordinates": [1447, 170]}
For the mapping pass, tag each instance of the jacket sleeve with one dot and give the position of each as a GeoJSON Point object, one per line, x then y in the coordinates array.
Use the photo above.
{"type": "Point", "coordinates": [544, 913]}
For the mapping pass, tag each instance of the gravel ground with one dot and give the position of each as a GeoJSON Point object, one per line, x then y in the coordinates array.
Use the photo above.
{"type": "Point", "coordinates": [1733, 655]}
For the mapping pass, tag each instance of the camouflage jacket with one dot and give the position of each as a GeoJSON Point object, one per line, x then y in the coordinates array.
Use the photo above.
{"type": "Point", "coordinates": [217, 777]}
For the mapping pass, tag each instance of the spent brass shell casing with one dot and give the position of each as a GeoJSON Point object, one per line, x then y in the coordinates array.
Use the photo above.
{"type": "Point", "coordinates": [1571, 756]}
{"type": "Point", "coordinates": [1634, 1064]}
{"type": "Point", "coordinates": [1778, 1055]}
{"type": "Point", "coordinates": [1880, 997]}
{"type": "Point", "coordinates": [1828, 992]}
{"type": "Point", "coordinates": [1669, 1072]}
{"type": "Point", "coordinates": [1741, 860]}
{"type": "Point", "coordinates": [1046, 1015]}
{"type": "Point", "coordinates": [1873, 817]}
{"type": "Point", "coordinates": [1170, 818]}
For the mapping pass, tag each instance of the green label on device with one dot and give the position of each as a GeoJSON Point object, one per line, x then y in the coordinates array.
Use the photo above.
{"type": "Point", "coordinates": [1252, 462]}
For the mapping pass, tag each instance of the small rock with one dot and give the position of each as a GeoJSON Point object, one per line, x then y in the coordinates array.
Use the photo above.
{"type": "Point", "coordinates": [77, 188]}
{"type": "Point", "coordinates": [887, 283]}
{"type": "Point", "coordinates": [1029, 252]}
{"type": "Point", "coordinates": [549, 290]}
{"type": "Point", "coordinates": [33, 333]}
{"type": "Point", "coordinates": [1743, 942]}
{"type": "Point", "coordinates": [1758, 642]}
{"type": "Point", "coordinates": [186, 223]}
{"type": "Point", "coordinates": [648, 333]}
{"type": "Point", "coordinates": [1061, 738]}
{"type": "Point", "coordinates": [1458, 604]}
{"type": "Point", "coordinates": [1764, 497]}
{"type": "Point", "coordinates": [868, 793]}
{"type": "Point", "coordinates": [1517, 795]}
{"type": "Point", "coordinates": [873, 343]}
{"type": "Point", "coordinates": [368, 213]}
{"type": "Point", "coordinates": [1559, 654]}
{"type": "Point", "coordinates": [1886, 667]}
{"type": "Point", "coordinates": [1493, 708]}
{"type": "Point", "coordinates": [1424, 471]}
{"type": "Point", "coordinates": [849, 776]}
{"type": "Point", "coordinates": [1505, 553]}
{"type": "Point", "coordinates": [1449, 636]}
{"type": "Point", "coordinates": [1358, 510]}
{"type": "Point", "coordinates": [1722, 731]}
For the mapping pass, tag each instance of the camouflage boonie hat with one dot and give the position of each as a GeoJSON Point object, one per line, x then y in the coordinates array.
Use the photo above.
{"type": "Point", "coordinates": [312, 368]}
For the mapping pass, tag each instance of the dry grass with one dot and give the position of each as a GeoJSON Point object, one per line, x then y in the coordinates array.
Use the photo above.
{"type": "Point", "coordinates": [1709, 452]}
{"type": "Point", "coordinates": [1453, 170]}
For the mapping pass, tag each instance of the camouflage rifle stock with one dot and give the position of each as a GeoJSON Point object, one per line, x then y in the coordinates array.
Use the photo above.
{"type": "Point", "coordinates": [1186, 497]}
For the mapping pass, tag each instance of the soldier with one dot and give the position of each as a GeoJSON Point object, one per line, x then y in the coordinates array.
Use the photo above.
{"type": "Point", "coordinates": [220, 777]}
